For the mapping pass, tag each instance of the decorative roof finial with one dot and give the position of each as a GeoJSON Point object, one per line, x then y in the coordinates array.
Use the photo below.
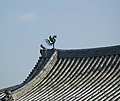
{"type": "Point", "coordinates": [51, 41]}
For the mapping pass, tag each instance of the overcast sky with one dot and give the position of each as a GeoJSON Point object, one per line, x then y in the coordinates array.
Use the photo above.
{"type": "Point", "coordinates": [78, 24]}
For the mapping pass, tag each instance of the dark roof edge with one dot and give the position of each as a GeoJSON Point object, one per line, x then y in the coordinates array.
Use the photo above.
{"type": "Point", "coordinates": [76, 53]}
{"type": "Point", "coordinates": [103, 51]}
{"type": "Point", "coordinates": [11, 88]}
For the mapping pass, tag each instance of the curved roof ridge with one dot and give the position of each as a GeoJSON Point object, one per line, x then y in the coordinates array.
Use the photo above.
{"type": "Point", "coordinates": [45, 68]}
{"type": "Point", "coordinates": [34, 70]}
{"type": "Point", "coordinates": [38, 66]}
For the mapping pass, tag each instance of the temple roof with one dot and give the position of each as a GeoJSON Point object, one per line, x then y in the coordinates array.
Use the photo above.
{"type": "Point", "coordinates": [81, 74]}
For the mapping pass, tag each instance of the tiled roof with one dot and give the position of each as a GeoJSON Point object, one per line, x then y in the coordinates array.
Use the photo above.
{"type": "Point", "coordinates": [2, 95]}
{"type": "Point", "coordinates": [73, 75]}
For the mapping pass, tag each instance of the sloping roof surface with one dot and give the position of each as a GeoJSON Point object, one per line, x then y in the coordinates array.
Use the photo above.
{"type": "Point", "coordinates": [73, 75]}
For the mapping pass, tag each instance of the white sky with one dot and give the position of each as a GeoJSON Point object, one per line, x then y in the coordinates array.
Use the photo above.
{"type": "Point", "coordinates": [78, 24]}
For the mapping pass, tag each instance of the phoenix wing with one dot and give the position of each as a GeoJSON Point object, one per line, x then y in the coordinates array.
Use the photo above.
{"type": "Point", "coordinates": [48, 42]}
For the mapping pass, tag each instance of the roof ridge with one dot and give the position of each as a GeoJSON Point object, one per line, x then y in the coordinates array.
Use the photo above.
{"type": "Point", "coordinates": [90, 52]}
{"type": "Point", "coordinates": [76, 53]}
{"type": "Point", "coordinates": [50, 61]}
{"type": "Point", "coordinates": [38, 66]}
{"type": "Point", "coordinates": [30, 75]}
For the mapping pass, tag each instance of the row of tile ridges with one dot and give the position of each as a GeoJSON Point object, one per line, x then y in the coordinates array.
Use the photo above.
{"type": "Point", "coordinates": [79, 79]}
{"type": "Point", "coordinates": [1, 95]}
